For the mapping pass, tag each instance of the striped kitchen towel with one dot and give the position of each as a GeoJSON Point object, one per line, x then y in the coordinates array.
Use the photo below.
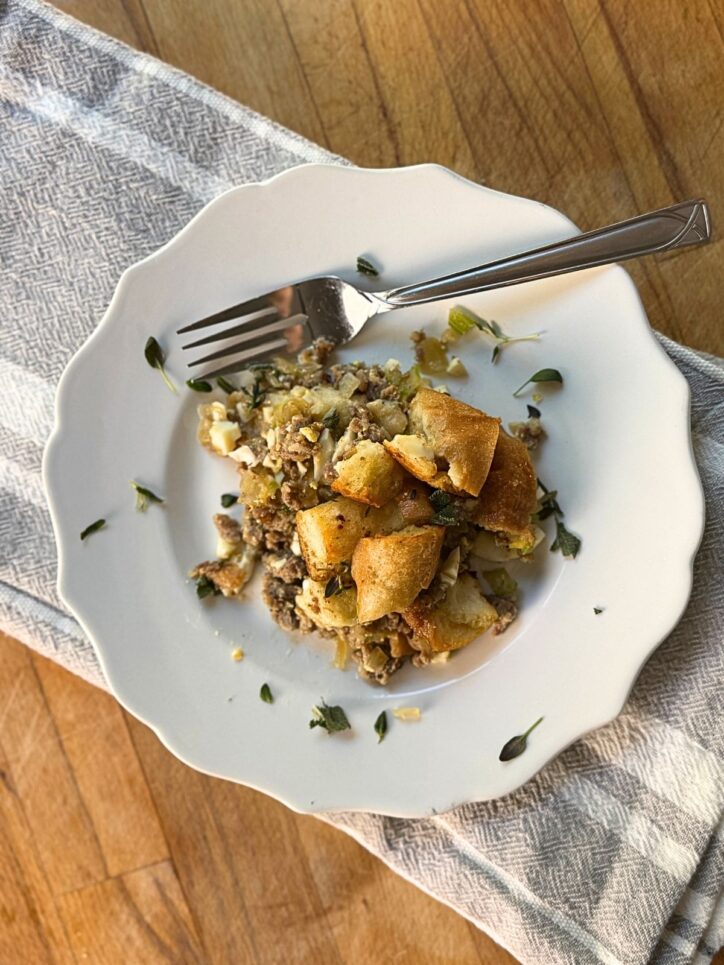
{"type": "Point", "coordinates": [615, 852]}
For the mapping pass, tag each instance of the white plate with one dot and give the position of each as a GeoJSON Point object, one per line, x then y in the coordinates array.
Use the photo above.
{"type": "Point", "coordinates": [618, 452]}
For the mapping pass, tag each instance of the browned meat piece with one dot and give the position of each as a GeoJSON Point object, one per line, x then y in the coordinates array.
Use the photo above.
{"type": "Point", "coordinates": [268, 527]}
{"type": "Point", "coordinates": [279, 597]}
{"type": "Point", "coordinates": [298, 494]}
{"type": "Point", "coordinates": [291, 445]}
{"type": "Point", "coordinates": [286, 567]}
{"type": "Point", "coordinates": [507, 612]}
{"type": "Point", "coordinates": [227, 528]}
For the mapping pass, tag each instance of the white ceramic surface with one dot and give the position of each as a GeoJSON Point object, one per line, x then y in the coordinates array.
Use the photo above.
{"type": "Point", "coordinates": [618, 452]}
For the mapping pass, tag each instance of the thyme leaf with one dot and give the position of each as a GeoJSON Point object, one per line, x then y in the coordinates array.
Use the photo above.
{"type": "Point", "coordinates": [93, 528]}
{"type": "Point", "coordinates": [365, 267]}
{"type": "Point", "coordinates": [332, 719]}
{"type": "Point", "coordinates": [155, 357]}
{"type": "Point", "coordinates": [542, 375]}
{"type": "Point", "coordinates": [144, 496]}
{"type": "Point", "coordinates": [381, 727]}
{"type": "Point", "coordinates": [516, 745]}
{"type": "Point", "coordinates": [199, 385]}
{"type": "Point", "coordinates": [265, 694]}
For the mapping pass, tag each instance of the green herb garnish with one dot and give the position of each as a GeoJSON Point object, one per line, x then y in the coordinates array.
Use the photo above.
{"type": "Point", "coordinates": [462, 320]}
{"type": "Point", "coordinates": [501, 583]}
{"type": "Point", "coordinates": [381, 727]}
{"type": "Point", "coordinates": [516, 745]}
{"type": "Point", "coordinates": [199, 385]}
{"type": "Point", "coordinates": [548, 504]}
{"type": "Point", "coordinates": [542, 375]}
{"type": "Point", "coordinates": [229, 499]}
{"type": "Point", "coordinates": [93, 528]}
{"type": "Point", "coordinates": [156, 359]}
{"type": "Point", "coordinates": [333, 587]}
{"type": "Point", "coordinates": [331, 420]}
{"type": "Point", "coordinates": [265, 694]}
{"type": "Point", "coordinates": [256, 396]}
{"type": "Point", "coordinates": [225, 385]}
{"type": "Point", "coordinates": [332, 719]}
{"type": "Point", "coordinates": [365, 267]}
{"type": "Point", "coordinates": [533, 413]}
{"type": "Point", "coordinates": [446, 511]}
{"type": "Point", "coordinates": [206, 587]}
{"type": "Point", "coordinates": [598, 610]}
{"type": "Point", "coordinates": [144, 497]}
{"type": "Point", "coordinates": [568, 543]}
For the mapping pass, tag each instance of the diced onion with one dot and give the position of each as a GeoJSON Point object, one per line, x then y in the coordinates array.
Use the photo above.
{"type": "Point", "coordinates": [407, 713]}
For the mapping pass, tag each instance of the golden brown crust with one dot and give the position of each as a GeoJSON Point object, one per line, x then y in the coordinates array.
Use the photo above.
{"type": "Point", "coordinates": [328, 534]}
{"type": "Point", "coordinates": [369, 475]}
{"type": "Point", "coordinates": [461, 617]}
{"type": "Point", "coordinates": [509, 495]}
{"type": "Point", "coordinates": [391, 570]}
{"type": "Point", "coordinates": [333, 612]}
{"type": "Point", "coordinates": [458, 434]}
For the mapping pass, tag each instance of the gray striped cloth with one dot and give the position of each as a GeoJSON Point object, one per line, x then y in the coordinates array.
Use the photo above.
{"type": "Point", "coordinates": [615, 852]}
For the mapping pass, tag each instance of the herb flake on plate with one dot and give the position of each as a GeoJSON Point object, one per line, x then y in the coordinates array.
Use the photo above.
{"type": "Point", "coordinates": [93, 528]}
{"type": "Point", "coordinates": [155, 357]}
{"type": "Point", "coordinates": [598, 610]}
{"type": "Point", "coordinates": [381, 727]}
{"type": "Point", "coordinates": [462, 320]}
{"type": "Point", "coordinates": [332, 719]}
{"type": "Point", "coordinates": [365, 267]}
{"type": "Point", "coordinates": [144, 496]}
{"type": "Point", "coordinates": [199, 385]}
{"type": "Point", "coordinates": [229, 499]}
{"type": "Point", "coordinates": [542, 375]}
{"type": "Point", "coordinates": [567, 542]}
{"type": "Point", "coordinates": [265, 694]}
{"type": "Point", "coordinates": [516, 745]}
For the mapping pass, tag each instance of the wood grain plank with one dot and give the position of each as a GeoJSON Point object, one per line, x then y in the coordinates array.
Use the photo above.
{"type": "Point", "coordinates": [362, 900]}
{"type": "Point", "coordinates": [342, 82]}
{"type": "Point", "coordinates": [93, 734]}
{"type": "Point", "coordinates": [123, 19]}
{"type": "Point", "coordinates": [256, 884]}
{"type": "Point", "coordinates": [413, 86]}
{"type": "Point", "coordinates": [140, 917]}
{"type": "Point", "coordinates": [36, 764]}
{"type": "Point", "coordinates": [530, 81]}
{"type": "Point", "coordinates": [242, 49]}
{"type": "Point", "coordinates": [30, 927]}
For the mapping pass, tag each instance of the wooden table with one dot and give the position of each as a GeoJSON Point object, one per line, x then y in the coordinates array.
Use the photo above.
{"type": "Point", "coordinates": [110, 850]}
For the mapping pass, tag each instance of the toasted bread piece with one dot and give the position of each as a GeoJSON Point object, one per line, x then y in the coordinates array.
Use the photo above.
{"type": "Point", "coordinates": [415, 455]}
{"type": "Point", "coordinates": [509, 495]}
{"type": "Point", "coordinates": [463, 436]}
{"type": "Point", "coordinates": [328, 534]}
{"type": "Point", "coordinates": [391, 570]}
{"type": "Point", "coordinates": [369, 475]}
{"type": "Point", "coordinates": [330, 612]}
{"type": "Point", "coordinates": [462, 616]}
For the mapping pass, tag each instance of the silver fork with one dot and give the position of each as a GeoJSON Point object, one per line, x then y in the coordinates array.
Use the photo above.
{"type": "Point", "coordinates": [289, 319]}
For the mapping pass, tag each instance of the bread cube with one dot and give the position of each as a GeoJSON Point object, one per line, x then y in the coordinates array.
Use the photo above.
{"type": "Point", "coordinates": [328, 534]}
{"type": "Point", "coordinates": [462, 616]}
{"type": "Point", "coordinates": [391, 570]}
{"type": "Point", "coordinates": [458, 434]}
{"type": "Point", "coordinates": [369, 475]}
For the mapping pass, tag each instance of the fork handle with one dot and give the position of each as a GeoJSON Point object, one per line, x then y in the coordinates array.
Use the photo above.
{"type": "Point", "coordinates": [686, 223]}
